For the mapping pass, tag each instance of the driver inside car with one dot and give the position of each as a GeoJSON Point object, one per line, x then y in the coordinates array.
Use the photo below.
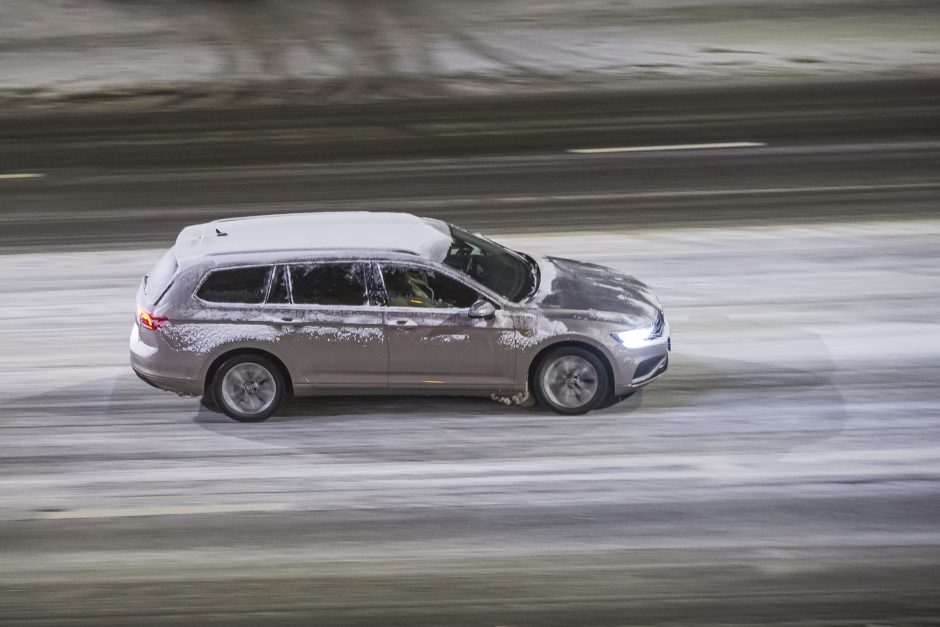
{"type": "Point", "coordinates": [409, 289]}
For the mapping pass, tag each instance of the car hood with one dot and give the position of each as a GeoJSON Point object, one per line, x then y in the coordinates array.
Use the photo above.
{"type": "Point", "coordinates": [586, 290]}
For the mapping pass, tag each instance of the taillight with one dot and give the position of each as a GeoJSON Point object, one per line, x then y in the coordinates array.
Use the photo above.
{"type": "Point", "coordinates": [149, 320]}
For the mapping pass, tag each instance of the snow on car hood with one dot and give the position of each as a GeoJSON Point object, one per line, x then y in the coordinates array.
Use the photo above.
{"type": "Point", "coordinates": [591, 291]}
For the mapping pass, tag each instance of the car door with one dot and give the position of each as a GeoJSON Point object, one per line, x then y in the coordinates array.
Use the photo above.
{"type": "Point", "coordinates": [337, 335]}
{"type": "Point", "coordinates": [433, 342]}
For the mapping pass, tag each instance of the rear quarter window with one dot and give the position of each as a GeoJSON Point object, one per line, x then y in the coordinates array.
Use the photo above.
{"type": "Point", "coordinates": [236, 285]}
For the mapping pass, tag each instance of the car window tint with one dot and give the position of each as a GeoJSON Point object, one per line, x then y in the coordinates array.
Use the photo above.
{"type": "Point", "coordinates": [329, 284]}
{"type": "Point", "coordinates": [238, 285]}
{"type": "Point", "coordinates": [280, 289]}
{"type": "Point", "coordinates": [417, 287]}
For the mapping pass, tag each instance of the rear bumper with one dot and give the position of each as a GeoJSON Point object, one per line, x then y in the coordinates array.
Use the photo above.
{"type": "Point", "coordinates": [146, 363]}
{"type": "Point", "coordinates": [183, 387]}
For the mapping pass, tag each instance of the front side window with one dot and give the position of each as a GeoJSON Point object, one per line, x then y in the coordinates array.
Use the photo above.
{"type": "Point", "coordinates": [236, 285]}
{"type": "Point", "coordinates": [329, 284]}
{"type": "Point", "coordinates": [409, 286]}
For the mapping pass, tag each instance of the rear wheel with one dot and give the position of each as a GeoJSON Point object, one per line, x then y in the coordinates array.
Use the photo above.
{"type": "Point", "coordinates": [571, 380]}
{"type": "Point", "coordinates": [248, 388]}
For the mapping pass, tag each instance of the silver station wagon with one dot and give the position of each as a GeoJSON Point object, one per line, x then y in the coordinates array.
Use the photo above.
{"type": "Point", "coordinates": [249, 311]}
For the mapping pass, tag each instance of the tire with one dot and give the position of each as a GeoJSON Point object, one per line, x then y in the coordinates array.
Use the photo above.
{"type": "Point", "coordinates": [571, 381]}
{"type": "Point", "coordinates": [248, 388]}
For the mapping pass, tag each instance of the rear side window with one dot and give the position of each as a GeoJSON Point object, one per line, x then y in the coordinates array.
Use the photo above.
{"type": "Point", "coordinates": [329, 284]}
{"type": "Point", "coordinates": [237, 285]}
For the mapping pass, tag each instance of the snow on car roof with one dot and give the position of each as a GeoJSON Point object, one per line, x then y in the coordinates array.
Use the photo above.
{"type": "Point", "coordinates": [359, 230]}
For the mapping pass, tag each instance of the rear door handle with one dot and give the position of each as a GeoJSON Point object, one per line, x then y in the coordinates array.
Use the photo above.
{"type": "Point", "coordinates": [406, 324]}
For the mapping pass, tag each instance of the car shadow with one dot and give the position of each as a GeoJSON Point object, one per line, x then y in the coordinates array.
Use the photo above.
{"type": "Point", "coordinates": [327, 409]}
{"type": "Point", "coordinates": [702, 403]}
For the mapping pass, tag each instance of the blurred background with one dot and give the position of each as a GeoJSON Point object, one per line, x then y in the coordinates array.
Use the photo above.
{"type": "Point", "coordinates": [770, 167]}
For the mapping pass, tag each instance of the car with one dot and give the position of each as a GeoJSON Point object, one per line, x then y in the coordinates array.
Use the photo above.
{"type": "Point", "coordinates": [249, 311]}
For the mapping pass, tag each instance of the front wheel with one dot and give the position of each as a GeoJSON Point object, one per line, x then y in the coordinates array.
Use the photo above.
{"type": "Point", "coordinates": [248, 388]}
{"type": "Point", "coordinates": [571, 380]}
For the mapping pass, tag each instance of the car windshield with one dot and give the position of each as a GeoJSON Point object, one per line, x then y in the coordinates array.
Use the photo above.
{"type": "Point", "coordinates": [504, 271]}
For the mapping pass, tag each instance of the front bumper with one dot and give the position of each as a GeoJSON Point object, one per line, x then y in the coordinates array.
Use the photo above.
{"type": "Point", "coordinates": [640, 366]}
{"type": "Point", "coordinates": [649, 370]}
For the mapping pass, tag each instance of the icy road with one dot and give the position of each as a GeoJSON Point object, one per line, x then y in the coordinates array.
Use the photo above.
{"type": "Point", "coordinates": [790, 462]}
{"type": "Point", "coordinates": [786, 469]}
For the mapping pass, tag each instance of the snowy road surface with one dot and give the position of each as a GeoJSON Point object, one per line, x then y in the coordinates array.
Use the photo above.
{"type": "Point", "coordinates": [787, 467]}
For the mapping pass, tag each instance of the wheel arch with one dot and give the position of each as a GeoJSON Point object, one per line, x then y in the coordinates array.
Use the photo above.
{"type": "Point", "coordinates": [218, 361]}
{"type": "Point", "coordinates": [597, 352]}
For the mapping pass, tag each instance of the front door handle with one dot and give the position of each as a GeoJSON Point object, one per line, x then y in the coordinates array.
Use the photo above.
{"type": "Point", "coordinates": [405, 324]}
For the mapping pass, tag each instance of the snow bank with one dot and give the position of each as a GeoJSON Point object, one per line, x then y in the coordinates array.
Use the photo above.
{"type": "Point", "coordinates": [274, 49]}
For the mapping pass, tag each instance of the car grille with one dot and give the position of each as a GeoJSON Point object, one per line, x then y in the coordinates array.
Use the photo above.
{"type": "Point", "coordinates": [649, 367]}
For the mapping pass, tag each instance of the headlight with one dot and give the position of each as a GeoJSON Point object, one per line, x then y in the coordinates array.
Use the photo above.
{"type": "Point", "coordinates": [635, 338]}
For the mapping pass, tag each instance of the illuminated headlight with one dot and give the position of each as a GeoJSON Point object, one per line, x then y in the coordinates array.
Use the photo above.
{"type": "Point", "coordinates": [635, 338]}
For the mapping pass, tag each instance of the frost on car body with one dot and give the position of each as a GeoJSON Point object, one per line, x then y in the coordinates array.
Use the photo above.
{"type": "Point", "coordinates": [251, 309]}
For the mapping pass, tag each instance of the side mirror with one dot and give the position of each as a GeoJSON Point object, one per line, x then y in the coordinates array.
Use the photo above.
{"type": "Point", "coordinates": [482, 309]}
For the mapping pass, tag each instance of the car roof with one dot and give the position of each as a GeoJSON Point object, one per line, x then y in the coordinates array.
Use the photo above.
{"type": "Point", "coordinates": [326, 232]}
